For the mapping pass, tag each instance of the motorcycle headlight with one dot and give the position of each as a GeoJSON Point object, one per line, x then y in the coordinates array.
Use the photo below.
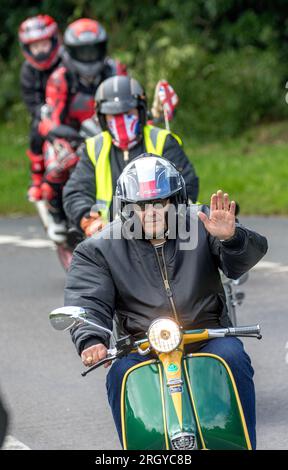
{"type": "Point", "coordinates": [164, 335]}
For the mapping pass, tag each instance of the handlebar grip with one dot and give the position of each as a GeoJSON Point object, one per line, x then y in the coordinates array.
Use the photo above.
{"type": "Point", "coordinates": [244, 330]}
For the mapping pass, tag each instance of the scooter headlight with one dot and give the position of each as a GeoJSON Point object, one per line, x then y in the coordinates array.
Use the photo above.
{"type": "Point", "coordinates": [164, 335]}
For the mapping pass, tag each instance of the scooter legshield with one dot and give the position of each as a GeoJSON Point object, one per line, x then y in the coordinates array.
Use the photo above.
{"type": "Point", "coordinates": [213, 398]}
{"type": "Point", "coordinates": [142, 410]}
{"type": "Point", "coordinates": [216, 402]}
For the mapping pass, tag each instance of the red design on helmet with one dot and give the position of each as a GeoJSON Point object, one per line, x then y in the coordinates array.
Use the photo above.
{"type": "Point", "coordinates": [85, 43]}
{"type": "Point", "coordinates": [83, 25]}
{"type": "Point", "coordinates": [38, 28]}
{"type": "Point", "coordinates": [148, 189]}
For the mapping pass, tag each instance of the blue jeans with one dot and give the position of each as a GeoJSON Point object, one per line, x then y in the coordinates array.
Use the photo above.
{"type": "Point", "coordinates": [230, 349]}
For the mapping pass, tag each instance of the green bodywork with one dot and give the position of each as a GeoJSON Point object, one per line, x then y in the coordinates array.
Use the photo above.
{"type": "Point", "coordinates": [148, 414]}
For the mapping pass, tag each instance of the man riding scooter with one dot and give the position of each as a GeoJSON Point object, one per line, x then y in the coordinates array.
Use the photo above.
{"type": "Point", "coordinates": [122, 112]}
{"type": "Point", "coordinates": [148, 273]}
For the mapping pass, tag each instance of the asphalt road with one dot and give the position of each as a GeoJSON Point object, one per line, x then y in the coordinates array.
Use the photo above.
{"type": "Point", "coordinates": [53, 407]}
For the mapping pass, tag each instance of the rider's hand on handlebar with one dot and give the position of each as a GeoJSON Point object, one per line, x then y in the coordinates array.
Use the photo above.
{"type": "Point", "coordinates": [92, 224]}
{"type": "Point", "coordinates": [94, 354]}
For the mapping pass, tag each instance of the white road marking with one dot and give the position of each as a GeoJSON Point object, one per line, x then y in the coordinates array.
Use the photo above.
{"type": "Point", "coordinates": [286, 357]}
{"type": "Point", "coordinates": [267, 265]}
{"type": "Point", "coordinates": [11, 443]}
{"type": "Point", "coordinates": [271, 267]}
{"type": "Point", "coordinates": [36, 243]}
{"type": "Point", "coordinates": [9, 239]}
{"type": "Point", "coordinates": [24, 243]}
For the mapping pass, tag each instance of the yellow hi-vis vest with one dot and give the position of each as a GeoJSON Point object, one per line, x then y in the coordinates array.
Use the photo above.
{"type": "Point", "coordinates": [98, 149]}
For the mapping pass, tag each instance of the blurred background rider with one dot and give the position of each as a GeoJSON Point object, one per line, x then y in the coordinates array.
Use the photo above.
{"type": "Point", "coordinates": [40, 44]}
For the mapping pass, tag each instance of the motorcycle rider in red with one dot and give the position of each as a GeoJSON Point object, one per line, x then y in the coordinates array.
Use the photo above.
{"type": "Point", "coordinates": [40, 44]}
{"type": "Point", "coordinates": [70, 100]}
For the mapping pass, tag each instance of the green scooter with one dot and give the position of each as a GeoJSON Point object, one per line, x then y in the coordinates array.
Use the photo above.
{"type": "Point", "coordinates": [176, 401]}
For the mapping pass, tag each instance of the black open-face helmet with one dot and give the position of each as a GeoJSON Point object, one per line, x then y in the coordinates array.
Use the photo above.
{"type": "Point", "coordinates": [148, 178]}
{"type": "Point", "coordinates": [118, 95]}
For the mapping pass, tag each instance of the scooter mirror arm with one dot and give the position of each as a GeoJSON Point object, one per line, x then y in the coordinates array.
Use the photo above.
{"type": "Point", "coordinates": [89, 322]}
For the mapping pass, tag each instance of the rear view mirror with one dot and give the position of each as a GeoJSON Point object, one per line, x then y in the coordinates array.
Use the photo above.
{"type": "Point", "coordinates": [64, 318]}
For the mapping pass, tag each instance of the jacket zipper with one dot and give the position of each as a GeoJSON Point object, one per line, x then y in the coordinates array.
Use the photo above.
{"type": "Point", "coordinates": [166, 281]}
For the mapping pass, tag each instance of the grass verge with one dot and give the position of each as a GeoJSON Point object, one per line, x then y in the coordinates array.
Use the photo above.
{"type": "Point", "coordinates": [253, 168]}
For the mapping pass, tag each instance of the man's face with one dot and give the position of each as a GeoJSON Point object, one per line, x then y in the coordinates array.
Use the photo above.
{"type": "Point", "coordinates": [153, 217]}
{"type": "Point", "coordinates": [40, 47]}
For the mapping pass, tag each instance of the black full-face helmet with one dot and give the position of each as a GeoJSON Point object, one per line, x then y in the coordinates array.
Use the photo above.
{"type": "Point", "coordinates": [85, 47]}
{"type": "Point", "coordinates": [149, 178]}
{"type": "Point", "coordinates": [118, 95]}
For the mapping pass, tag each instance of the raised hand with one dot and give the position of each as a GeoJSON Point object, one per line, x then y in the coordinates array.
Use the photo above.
{"type": "Point", "coordinates": [221, 221]}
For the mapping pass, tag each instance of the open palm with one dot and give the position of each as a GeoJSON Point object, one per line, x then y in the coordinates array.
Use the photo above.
{"type": "Point", "coordinates": [221, 221]}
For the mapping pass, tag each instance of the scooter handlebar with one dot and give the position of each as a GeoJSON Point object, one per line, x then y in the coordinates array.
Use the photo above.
{"type": "Point", "coordinates": [244, 330]}
{"type": "Point", "coordinates": [252, 331]}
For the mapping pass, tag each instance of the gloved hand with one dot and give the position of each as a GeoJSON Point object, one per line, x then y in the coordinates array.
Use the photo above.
{"type": "Point", "coordinates": [165, 101]}
{"type": "Point", "coordinates": [92, 224]}
{"type": "Point", "coordinates": [46, 123]}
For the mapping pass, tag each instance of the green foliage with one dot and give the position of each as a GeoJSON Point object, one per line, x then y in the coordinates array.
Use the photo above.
{"type": "Point", "coordinates": [225, 58]}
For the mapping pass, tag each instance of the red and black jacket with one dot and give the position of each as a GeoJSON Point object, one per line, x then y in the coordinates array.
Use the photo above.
{"type": "Point", "coordinates": [69, 101]}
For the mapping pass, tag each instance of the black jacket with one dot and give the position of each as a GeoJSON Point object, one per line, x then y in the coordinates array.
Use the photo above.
{"type": "Point", "coordinates": [125, 275]}
{"type": "Point", "coordinates": [80, 191]}
{"type": "Point", "coordinates": [33, 84]}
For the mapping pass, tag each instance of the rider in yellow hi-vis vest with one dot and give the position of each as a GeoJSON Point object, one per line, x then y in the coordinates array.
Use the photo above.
{"type": "Point", "coordinates": [122, 112]}
{"type": "Point", "coordinates": [98, 149]}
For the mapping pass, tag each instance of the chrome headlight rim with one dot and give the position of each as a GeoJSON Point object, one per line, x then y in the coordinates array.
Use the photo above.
{"type": "Point", "coordinates": [174, 329]}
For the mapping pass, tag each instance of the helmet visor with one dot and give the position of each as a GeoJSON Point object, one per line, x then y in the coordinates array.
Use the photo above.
{"type": "Point", "coordinates": [117, 106]}
{"type": "Point", "coordinates": [88, 53]}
